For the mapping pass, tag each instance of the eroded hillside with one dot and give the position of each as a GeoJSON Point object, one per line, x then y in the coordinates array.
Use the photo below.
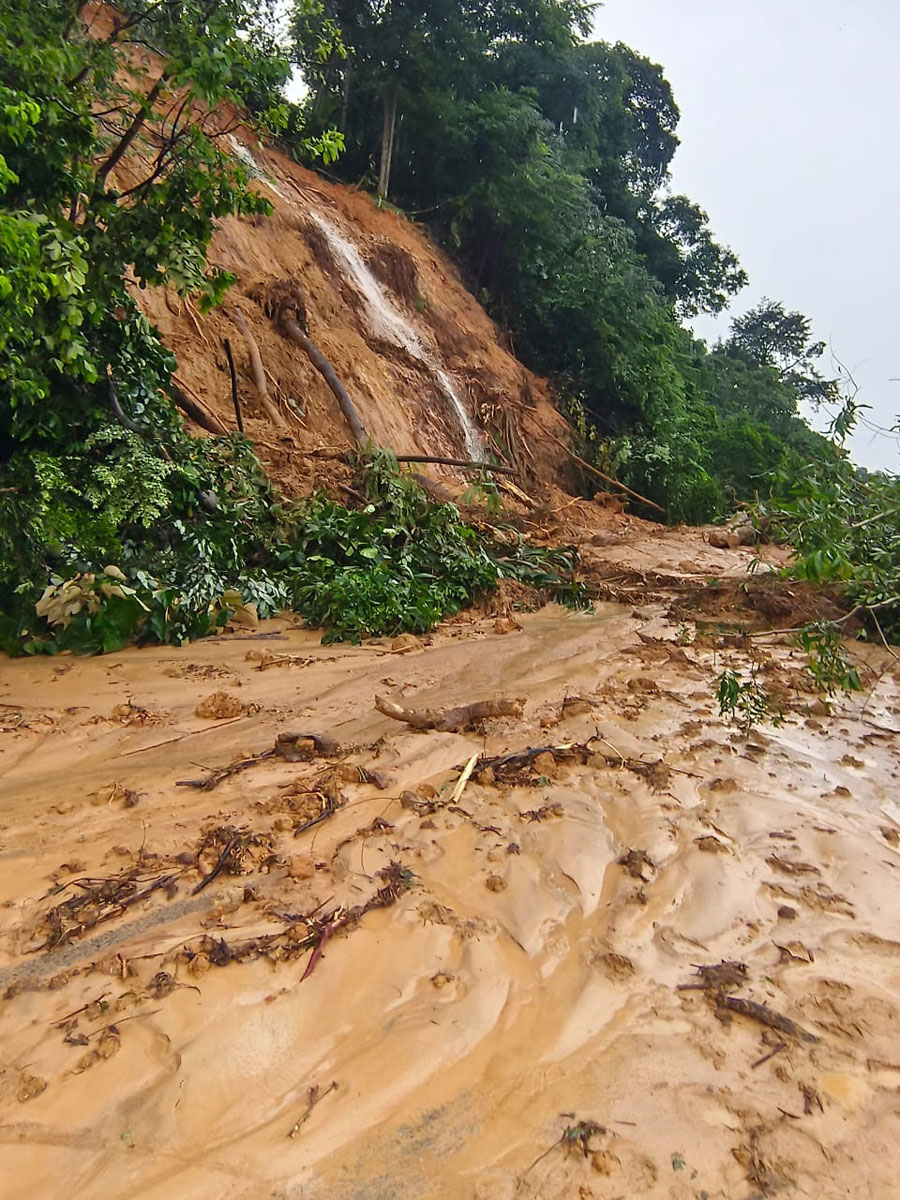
{"type": "Point", "coordinates": [426, 368]}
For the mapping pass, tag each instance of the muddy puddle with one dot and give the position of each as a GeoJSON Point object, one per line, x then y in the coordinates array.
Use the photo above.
{"type": "Point", "coordinates": [340, 970]}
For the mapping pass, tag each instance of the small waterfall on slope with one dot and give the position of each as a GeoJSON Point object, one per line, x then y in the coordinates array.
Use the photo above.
{"type": "Point", "coordinates": [387, 323]}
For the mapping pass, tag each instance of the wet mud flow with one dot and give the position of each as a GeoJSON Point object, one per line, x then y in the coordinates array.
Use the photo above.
{"type": "Point", "coordinates": [601, 946]}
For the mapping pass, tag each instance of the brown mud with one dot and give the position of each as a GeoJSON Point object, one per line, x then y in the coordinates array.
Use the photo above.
{"type": "Point", "coordinates": [342, 970]}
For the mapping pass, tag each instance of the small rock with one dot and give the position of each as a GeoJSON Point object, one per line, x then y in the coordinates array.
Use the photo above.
{"type": "Point", "coordinates": [495, 883]}
{"type": "Point", "coordinates": [710, 844]}
{"type": "Point", "coordinates": [786, 913]}
{"type": "Point", "coordinates": [442, 978]}
{"type": "Point", "coordinates": [506, 625]}
{"type": "Point", "coordinates": [722, 539]}
{"type": "Point", "coordinates": [544, 764]}
{"type": "Point", "coordinates": [301, 867]}
{"type": "Point", "coordinates": [199, 965]}
{"type": "Point", "coordinates": [575, 706]}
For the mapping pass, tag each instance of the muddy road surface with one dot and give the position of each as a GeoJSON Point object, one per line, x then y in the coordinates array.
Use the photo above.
{"type": "Point", "coordinates": [603, 946]}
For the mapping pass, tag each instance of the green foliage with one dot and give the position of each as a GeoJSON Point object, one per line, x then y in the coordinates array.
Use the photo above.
{"type": "Point", "coordinates": [843, 524]}
{"type": "Point", "coordinates": [744, 701]}
{"type": "Point", "coordinates": [826, 659]}
{"type": "Point", "coordinates": [154, 567]}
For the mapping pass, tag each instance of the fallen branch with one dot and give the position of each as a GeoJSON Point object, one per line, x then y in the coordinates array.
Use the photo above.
{"type": "Point", "coordinates": [457, 462]}
{"type": "Point", "coordinates": [259, 376]}
{"type": "Point", "coordinates": [286, 305]}
{"type": "Point", "coordinates": [606, 478]}
{"type": "Point", "coordinates": [449, 720]}
{"type": "Point", "coordinates": [766, 1016]}
{"type": "Point", "coordinates": [125, 422]}
{"type": "Point", "coordinates": [194, 410]}
{"type": "Point", "coordinates": [292, 329]}
{"type": "Point", "coordinates": [235, 398]}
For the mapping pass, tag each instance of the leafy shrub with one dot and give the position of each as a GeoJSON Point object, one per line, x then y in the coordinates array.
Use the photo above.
{"type": "Point", "coordinates": [401, 563]}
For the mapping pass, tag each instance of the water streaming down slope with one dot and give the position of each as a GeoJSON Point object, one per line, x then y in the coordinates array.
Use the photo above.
{"type": "Point", "coordinates": [386, 323]}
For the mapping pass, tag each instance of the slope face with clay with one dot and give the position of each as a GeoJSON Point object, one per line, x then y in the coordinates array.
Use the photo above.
{"type": "Point", "coordinates": [425, 367]}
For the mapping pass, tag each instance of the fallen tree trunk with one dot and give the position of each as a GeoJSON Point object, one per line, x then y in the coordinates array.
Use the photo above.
{"type": "Point", "coordinates": [449, 720]}
{"type": "Point", "coordinates": [606, 478]}
{"type": "Point", "coordinates": [256, 367]}
{"type": "Point", "coordinates": [292, 328]}
{"type": "Point", "coordinates": [456, 462]}
{"type": "Point", "coordinates": [192, 409]}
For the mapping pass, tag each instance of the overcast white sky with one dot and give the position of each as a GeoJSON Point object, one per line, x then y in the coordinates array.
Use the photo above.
{"type": "Point", "coordinates": [790, 112]}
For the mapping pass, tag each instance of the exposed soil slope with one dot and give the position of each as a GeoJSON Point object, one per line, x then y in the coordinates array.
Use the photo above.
{"type": "Point", "coordinates": [520, 973]}
{"type": "Point", "coordinates": [417, 353]}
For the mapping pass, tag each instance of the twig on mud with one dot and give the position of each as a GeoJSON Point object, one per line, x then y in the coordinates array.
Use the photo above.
{"type": "Point", "coordinates": [580, 1134]}
{"type": "Point", "coordinates": [319, 947]}
{"type": "Point", "coordinates": [329, 809]}
{"type": "Point", "coordinates": [223, 857]}
{"type": "Point", "coordinates": [313, 1096]}
{"type": "Point", "coordinates": [79, 1011]}
{"type": "Point", "coordinates": [463, 779]}
{"type": "Point", "coordinates": [180, 737]}
{"type": "Point", "coordinates": [765, 1058]}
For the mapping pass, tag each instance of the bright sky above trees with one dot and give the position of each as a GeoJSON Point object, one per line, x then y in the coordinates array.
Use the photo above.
{"type": "Point", "coordinates": [789, 114]}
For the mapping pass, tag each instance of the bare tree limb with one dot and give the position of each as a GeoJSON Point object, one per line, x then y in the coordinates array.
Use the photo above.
{"type": "Point", "coordinates": [259, 376]}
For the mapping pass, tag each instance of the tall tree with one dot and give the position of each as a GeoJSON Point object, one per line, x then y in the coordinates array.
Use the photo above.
{"type": "Point", "coordinates": [771, 336]}
{"type": "Point", "coordinates": [394, 51]}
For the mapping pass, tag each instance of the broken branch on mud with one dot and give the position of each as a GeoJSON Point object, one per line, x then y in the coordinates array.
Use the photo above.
{"type": "Point", "coordinates": [468, 464]}
{"type": "Point", "coordinates": [766, 1016]}
{"type": "Point", "coordinates": [288, 747]}
{"type": "Point", "coordinates": [449, 720]}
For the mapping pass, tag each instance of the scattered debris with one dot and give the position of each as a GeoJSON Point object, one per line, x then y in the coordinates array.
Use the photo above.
{"type": "Point", "coordinates": [101, 899]}
{"type": "Point", "coordinates": [717, 977]}
{"type": "Point", "coordinates": [290, 747]}
{"type": "Point", "coordinates": [219, 706]}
